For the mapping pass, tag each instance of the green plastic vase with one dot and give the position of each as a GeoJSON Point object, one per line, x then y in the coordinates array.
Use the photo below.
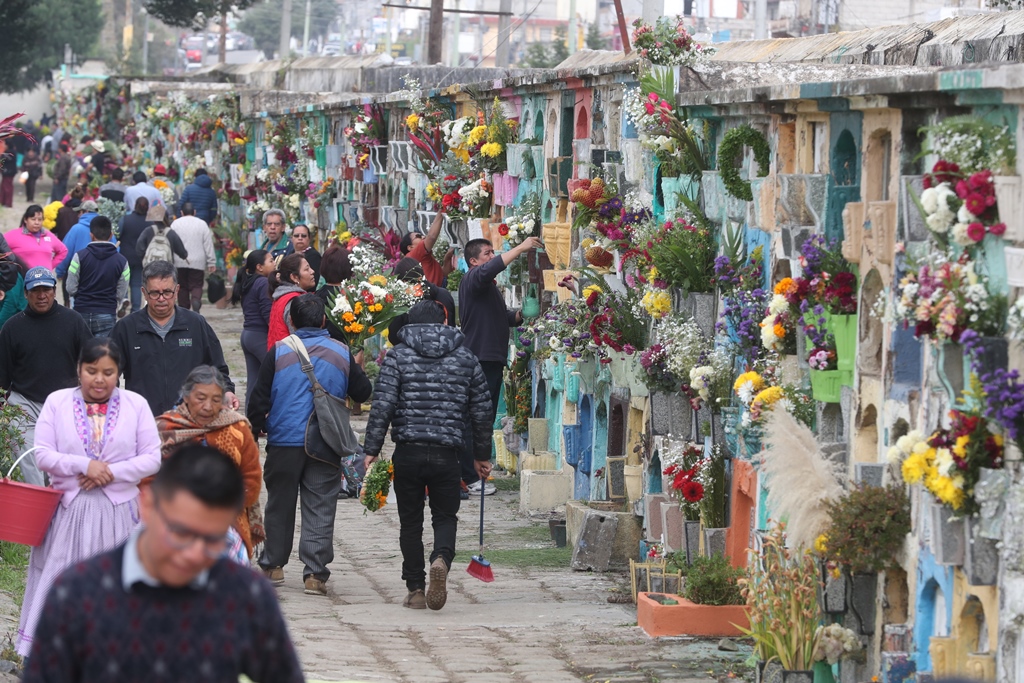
{"type": "Point", "coordinates": [531, 304]}
{"type": "Point", "coordinates": [826, 385]}
{"type": "Point", "coordinates": [844, 329]}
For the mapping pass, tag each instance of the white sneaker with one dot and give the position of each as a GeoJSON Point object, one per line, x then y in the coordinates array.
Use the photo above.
{"type": "Point", "coordinates": [474, 488]}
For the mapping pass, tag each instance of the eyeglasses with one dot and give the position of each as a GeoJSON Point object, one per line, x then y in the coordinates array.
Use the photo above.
{"type": "Point", "coordinates": [162, 294]}
{"type": "Point", "coordinates": [181, 537]}
{"type": "Point", "coordinates": [273, 224]}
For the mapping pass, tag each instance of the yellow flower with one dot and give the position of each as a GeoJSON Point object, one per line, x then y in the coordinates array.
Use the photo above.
{"type": "Point", "coordinates": [344, 237]}
{"type": "Point", "coordinates": [960, 448]}
{"type": "Point", "coordinates": [913, 469]}
{"type": "Point", "coordinates": [657, 303]}
{"type": "Point", "coordinates": [492, 149]}
{"type": "Point", "coordinates": [413, 122]}
{"type": "Point", "coordinates": [821, 544]}
{"type": "Point", "coordinates": [769, 396]}
{"type": "Point", "coordinates": [756, 381]}
{"type": "Point", "coordinates": [378, 280]}
{"type": "Point", "coordinates": [433, 193]}
{"type": "Point", "coordinates": [652, 274]}
{"type": "Point", "coordinates": [159, 184]}
{"type": "Point", "coordinates": [348, 317]}
{"type": "Point", "coordinates": [590, 288]}
{"type": "Point", "coordinates": [477, 135]}
{"type": "Point", "coordinates": [358, 308]}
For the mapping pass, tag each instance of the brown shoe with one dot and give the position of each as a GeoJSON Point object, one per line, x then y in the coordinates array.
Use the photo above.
{"type": "Point", "coordinates": [415, 600]}
{"type": "Point", "coordinates": [314, 586]}
{"type": "Point", "coordinates": [437, 591]}
{"type": "Point", "coordinates": [275, 574]}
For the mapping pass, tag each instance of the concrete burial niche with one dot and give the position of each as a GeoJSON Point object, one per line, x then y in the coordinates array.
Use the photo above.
{"type": "Point", "coordinates": [602, 535]}
{"type": "Point", "coordinates": [661, 615]}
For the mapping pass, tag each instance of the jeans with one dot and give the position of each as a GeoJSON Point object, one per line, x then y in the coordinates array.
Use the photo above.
{"type": "Point", "coordinates": [135, 287]}
{"type": "Point", "coordinates": [100, 324]}
{"type": "Point", "coordinates": [494, 372]}
{"type": "Point", "coordinates": [190, 288]}
{"type": "Point", "coordinates": [419, 466]}
{"type": "Point", "coordinates": [7, 191]}
{"type": "Point", "coordinates": [254, 346]}
{"type": "Point", "coordinates": [60, 188]}
{"type": "Point", "coordinates": [289, 474]}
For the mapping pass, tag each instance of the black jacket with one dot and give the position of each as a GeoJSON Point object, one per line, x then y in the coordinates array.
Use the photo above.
{"type": "Point", "coordinates": [430, 387]}
{"type": "Point", "coordinates": [156, 368]}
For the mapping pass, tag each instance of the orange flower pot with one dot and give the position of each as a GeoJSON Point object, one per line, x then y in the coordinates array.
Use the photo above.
{"type": "Point", "coordinates": [687, 618]}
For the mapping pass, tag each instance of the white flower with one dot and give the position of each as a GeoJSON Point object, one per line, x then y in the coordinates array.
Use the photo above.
{"type": "Point", "coordinates": [944, 461]}
{"type": "Point", "coordinates": [778, 304]}
{"type": "Point", "coordinates": [377, 292]}
{"type": "Point", "coordinates": [294, 200]}
{"type": "Point", "coordinates": [965, 216]}
{"type": "Point", "coordinates": [746, 392]}
{"type": "Point", "coordinates": [894, 456]}
{"type": "Point", "coordinates": [341, 305]}
{"type": "Point", "coordinates": [554, 343]}
{"type": "Point", "coordinates": [930, 200]}
{"type": "Point", "coordinates": [937, 223]}
{"type": "Point", "coordinates": [960, 235]}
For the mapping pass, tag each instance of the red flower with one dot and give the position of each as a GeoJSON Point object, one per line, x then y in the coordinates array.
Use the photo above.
{"type": "Point", "coordinates": [976, 231]}
{"type": "Point", "coordinates": [591, 298]}
{"type": "Point", "coordinates": [693, 491]}
{"type": "Point", "coordinates": [998, 229]}
{"type": "Point", "coordinates": [502, 229]}
{"type": "Point", "coordinates": [975, 203]}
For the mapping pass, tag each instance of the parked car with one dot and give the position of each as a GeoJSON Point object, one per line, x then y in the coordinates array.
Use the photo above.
{"type": "Point", "coordinates": [194, 47]}
{"type": "Point", "coordinates": [332, 49]}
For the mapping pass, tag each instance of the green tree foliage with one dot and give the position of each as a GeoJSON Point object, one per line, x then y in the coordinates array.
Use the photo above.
{"type": "Point", "coordinates": [262, 21]}
{"type": "Point", "coordinates": [192, 13]}
{"type": "Point", "coordinates": [35, 32]}
{"type": "Point", "coordinates": [541, 56]}
{"type": "Point", "coordinates": [594, 39]}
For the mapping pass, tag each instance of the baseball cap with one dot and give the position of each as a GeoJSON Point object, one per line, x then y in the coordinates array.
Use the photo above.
{"type": "Point", "coordinates": [39, 276]}
{"type": "Point", "coordinates": [159, 169]}
{"type": "Point", "coordinates": [87, 205]}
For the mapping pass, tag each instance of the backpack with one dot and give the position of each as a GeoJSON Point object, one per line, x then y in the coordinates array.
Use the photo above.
{"type": "Point", "coordinates": [159, 248]}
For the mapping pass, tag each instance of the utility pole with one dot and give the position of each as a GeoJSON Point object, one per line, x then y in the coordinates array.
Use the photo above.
{"type": "Point", "coordinates": [284, 47]}
{"type": "Point", "coordinates": [457, 28]}
{"type": "Point", "coordinates": [503, 51]}
{"type": "Point", "coordinates": [572, 38]}
{"type": "Point", "coordinates": [760, 19]}
{"type": "Point", "coordinates": [145, 40]}
{"type": "Point", "coordinates": [435, 32]}
{"type": "Point", "coordinates": [305, 29]}
{"type": "Point", "coordinates": [387, 26]}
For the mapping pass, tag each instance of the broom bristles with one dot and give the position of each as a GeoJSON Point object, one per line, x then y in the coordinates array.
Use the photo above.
{"type": "Point", "coordinates": [800, 481]}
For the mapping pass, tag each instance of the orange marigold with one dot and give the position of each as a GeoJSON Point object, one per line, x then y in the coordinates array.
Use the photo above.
{"type": "Point", "coordinates": [779, 330]}
{"type": "Point", "coordinates": [786, 286]}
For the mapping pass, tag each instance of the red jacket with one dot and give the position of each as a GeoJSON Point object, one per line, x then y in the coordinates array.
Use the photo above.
{"type": "Point", "coordinates": [280, 326]}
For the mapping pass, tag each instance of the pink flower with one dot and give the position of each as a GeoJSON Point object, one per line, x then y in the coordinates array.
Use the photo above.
{"type": "Point", "coordinates": [980, 180]}
{"type": "Point", "coordinates": [649, 107]}
{"type": "Point", "coordinates": [998, 229]}
{"type": "Point", "coordinates": [976, 231]}
{"type": "Point", "coordinates": [653, 97]}
{"type": "Point", "coordinates": [975, 203]}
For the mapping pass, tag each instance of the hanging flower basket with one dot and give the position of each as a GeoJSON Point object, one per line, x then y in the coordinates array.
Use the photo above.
{"type": "Point", "coordinates": [826, 385]}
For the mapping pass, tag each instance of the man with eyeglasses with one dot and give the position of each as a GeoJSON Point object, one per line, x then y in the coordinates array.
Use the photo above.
{"type": "Point", "coordinates": [163, 342]}
{"type": "Point", "coordinates": [167, 604]}
{"type": "Point", "coordinates": [277, 242]}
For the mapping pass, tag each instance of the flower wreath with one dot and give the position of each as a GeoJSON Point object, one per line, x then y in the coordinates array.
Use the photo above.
{"type": "Point", "coordinates": [733, 143]}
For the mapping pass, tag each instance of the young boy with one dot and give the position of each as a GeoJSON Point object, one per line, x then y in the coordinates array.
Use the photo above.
{"type": "Point", "coordinates": [98, 279]}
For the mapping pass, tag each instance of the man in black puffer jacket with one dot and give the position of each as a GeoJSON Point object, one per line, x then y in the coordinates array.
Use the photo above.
{"type": "Point", "coordinates": [429, 386]}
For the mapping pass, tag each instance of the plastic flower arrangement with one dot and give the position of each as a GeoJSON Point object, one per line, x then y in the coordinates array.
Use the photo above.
{"type": "Point", "coordinates": [377, 485]}
{"type": "Point", "coordinates": [563, 328]}
{"type": "Point", "coordinates": [668, 42]}
{"type": "Point", "coordinates": [948, 463]}
{"type": "Point", "coordinates": [590, 196]}
{"type": "Point", "coordinates": [475, 198]}
{"type": "Point", "coordinates": [522, 222]}
{"type": "Point", "coordinates": [944, 296]}
{"type": "Point", "coordinates": [710, 380]}
{"type": "Point", "coordinates": [960, 209]}
{"type": "Point", "coordinates": [498, 134]}
{"type": "Point", "coordinates": [676, 144]}
{"type": "Point", "coordinates": [684, 461]}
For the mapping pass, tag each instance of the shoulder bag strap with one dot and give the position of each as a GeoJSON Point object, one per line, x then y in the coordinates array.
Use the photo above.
{"type": "Point", "coordinates": [296, 345]}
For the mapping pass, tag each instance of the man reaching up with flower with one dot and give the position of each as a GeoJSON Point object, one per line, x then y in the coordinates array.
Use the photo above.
{"type": "Point", "coordinates": [420, 247]}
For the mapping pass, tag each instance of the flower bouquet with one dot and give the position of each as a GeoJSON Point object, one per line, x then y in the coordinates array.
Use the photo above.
{"type": "Point", "coordinates": [456, 136]}
{"type": "Point", "coordinates": [166, 191]}
{"type": "Point", "coordinates": [684, 464]}
{"type": "Point", "coordinates": [424, 126]}
{"type": "Point", "coordinates": [957, 208]}
{"type": "Point", "coordinates": [523, 223]}
{"type": "Point", "coordinates": [500, 132]}
{"type": "Point", "coordinates": [778, 328]}
{"type": "Point", "coordinates": [377, 485]}
{"type": "Point", "coordinates": [668, 42]}
{"type": "Point", "coordinates": [362, 308]}
{"type": "Point", "coordinates": [367, 130]}
{"type": "Point", "coordinates": [322, 194]}
{"type": "Point", "coordinates": [741, 282]}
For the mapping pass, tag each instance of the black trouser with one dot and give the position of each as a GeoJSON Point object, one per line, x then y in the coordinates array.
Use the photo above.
{"type": "Point", "coordinates": [494, 371]}
{"type": "Point", "coordinates": [419, 466]}
{"type": "Point", "coordinates": [190, 288]}
{"type": "Point", "coordinates": [289, 472]}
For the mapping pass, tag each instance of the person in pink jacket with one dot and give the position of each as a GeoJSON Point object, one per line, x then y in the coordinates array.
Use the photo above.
{"type": "Point", "coordinates": [34, 244]}
{"type": "Point", "coordinates": [97, 442]}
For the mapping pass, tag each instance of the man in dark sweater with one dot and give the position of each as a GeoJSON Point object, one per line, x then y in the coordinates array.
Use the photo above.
{"type": "Point", "coordinates": [485, 319]}
{"type": "Point", "coordinates": [98, 279]}
{"type": "Point", "coordinates": [39, 350]}
{"type": "Point", "coordinates": [167, 605]}
{"type": "Point", "coordinates": [429, 385]}
{"type": "Point", "coordinates": [163, 342]}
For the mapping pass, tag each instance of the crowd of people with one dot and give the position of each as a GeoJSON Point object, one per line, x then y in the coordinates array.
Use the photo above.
{"type": "Point", "coordinates": [160, 469]}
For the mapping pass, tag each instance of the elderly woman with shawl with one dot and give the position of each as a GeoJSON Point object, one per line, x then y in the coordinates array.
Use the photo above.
{"type": "Point", "coordinates": [201, 417]}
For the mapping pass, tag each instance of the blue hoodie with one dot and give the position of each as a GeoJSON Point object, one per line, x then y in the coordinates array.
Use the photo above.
{"type": "Point", "coordinates": [78, 238]}
{"type": "Point", "coordinates": [202, 196]}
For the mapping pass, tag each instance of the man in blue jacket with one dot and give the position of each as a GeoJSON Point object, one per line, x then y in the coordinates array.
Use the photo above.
{"type": "Point", "coordinates": [98, 279]}
{"type": "Point", "coordinates": [77, 239]}
{"type": "Point", "coordinates": [281, 405]}
{"type": "Point", "coordinates": [202, 196]}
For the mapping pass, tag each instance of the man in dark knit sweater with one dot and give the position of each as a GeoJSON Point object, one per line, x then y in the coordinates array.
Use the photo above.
{"type": "Point", "coordinates": [167, 605]}
{"type": "Point", "coordinates": [485, 320]}
{"type": "Point", "coordinates": [39, 350]}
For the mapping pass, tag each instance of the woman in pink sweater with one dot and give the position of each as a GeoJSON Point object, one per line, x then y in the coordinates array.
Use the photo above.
{"type": "Point", "coordinates": [34, 244]}
{"type": "Point", "coordinates": [97, 442]}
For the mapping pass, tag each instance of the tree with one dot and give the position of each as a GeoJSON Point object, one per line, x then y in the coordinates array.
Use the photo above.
{"type": "Point", "coordinates": [195, 14]}
{"type": "Point", "coordinates": [35, 34]}
{"type": "Point", "coordinates": [263, 21]}
{"type": "Point", "coordinates": [594, 39]}
{"type": "Point", "coordinates": [559, 47]}
{"type": "Point", "coordinates": [541, 56]}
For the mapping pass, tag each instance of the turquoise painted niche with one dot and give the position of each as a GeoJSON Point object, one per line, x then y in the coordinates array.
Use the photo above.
{"type": "Point", "coordinates": [933, 606]}
{"type": "Point", "coordinates": [598, 489]}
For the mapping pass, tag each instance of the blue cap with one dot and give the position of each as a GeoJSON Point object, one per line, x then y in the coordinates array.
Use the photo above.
{"type": "Point", "coordinates": [39, 277]}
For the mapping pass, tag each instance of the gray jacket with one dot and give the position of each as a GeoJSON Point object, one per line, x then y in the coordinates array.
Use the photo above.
{"type": "Point", "coordinates": [430, 386]}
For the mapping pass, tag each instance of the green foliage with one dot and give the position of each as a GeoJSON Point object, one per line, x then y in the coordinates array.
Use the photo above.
{"type": "Point", "coordinates": [541, 56]}
{"type": "Point", "coordinates": [973, 144]}
{"type": "Point", "coordinates": [712, 505]}
{"type": "Point", "coordinates": [35, 32]}
{"type": "Point", "coordinates": [594, 39]}
{"type": "Point", "coordinates": [713, 581]}
{"type": "Point", "coordinates": [193, 13]}
{"type": "Point", "coordinates": [11, 440]}
{"type": "Point", "coordinates": [262, 21]}
{"type": "Point", "coordinates": [869, 525]}
{"type": "Point", "coordinates": [732, 146]}
{"type": "Point", "coordinates": [13, 573]}
{"type": "Point", "coordinates": [685, 256]}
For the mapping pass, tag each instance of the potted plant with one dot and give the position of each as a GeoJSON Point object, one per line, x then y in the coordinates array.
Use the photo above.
{"type": "Point", "coordinates": [713, 581]}
{"type": "Point", "coordinates": [867, 529]}
{"type": "Point", "coordinates": [781, 591]}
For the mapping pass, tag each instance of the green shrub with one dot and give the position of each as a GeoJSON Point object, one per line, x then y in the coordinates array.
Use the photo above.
{"type": "Point", "coordinates": [712, 581]}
